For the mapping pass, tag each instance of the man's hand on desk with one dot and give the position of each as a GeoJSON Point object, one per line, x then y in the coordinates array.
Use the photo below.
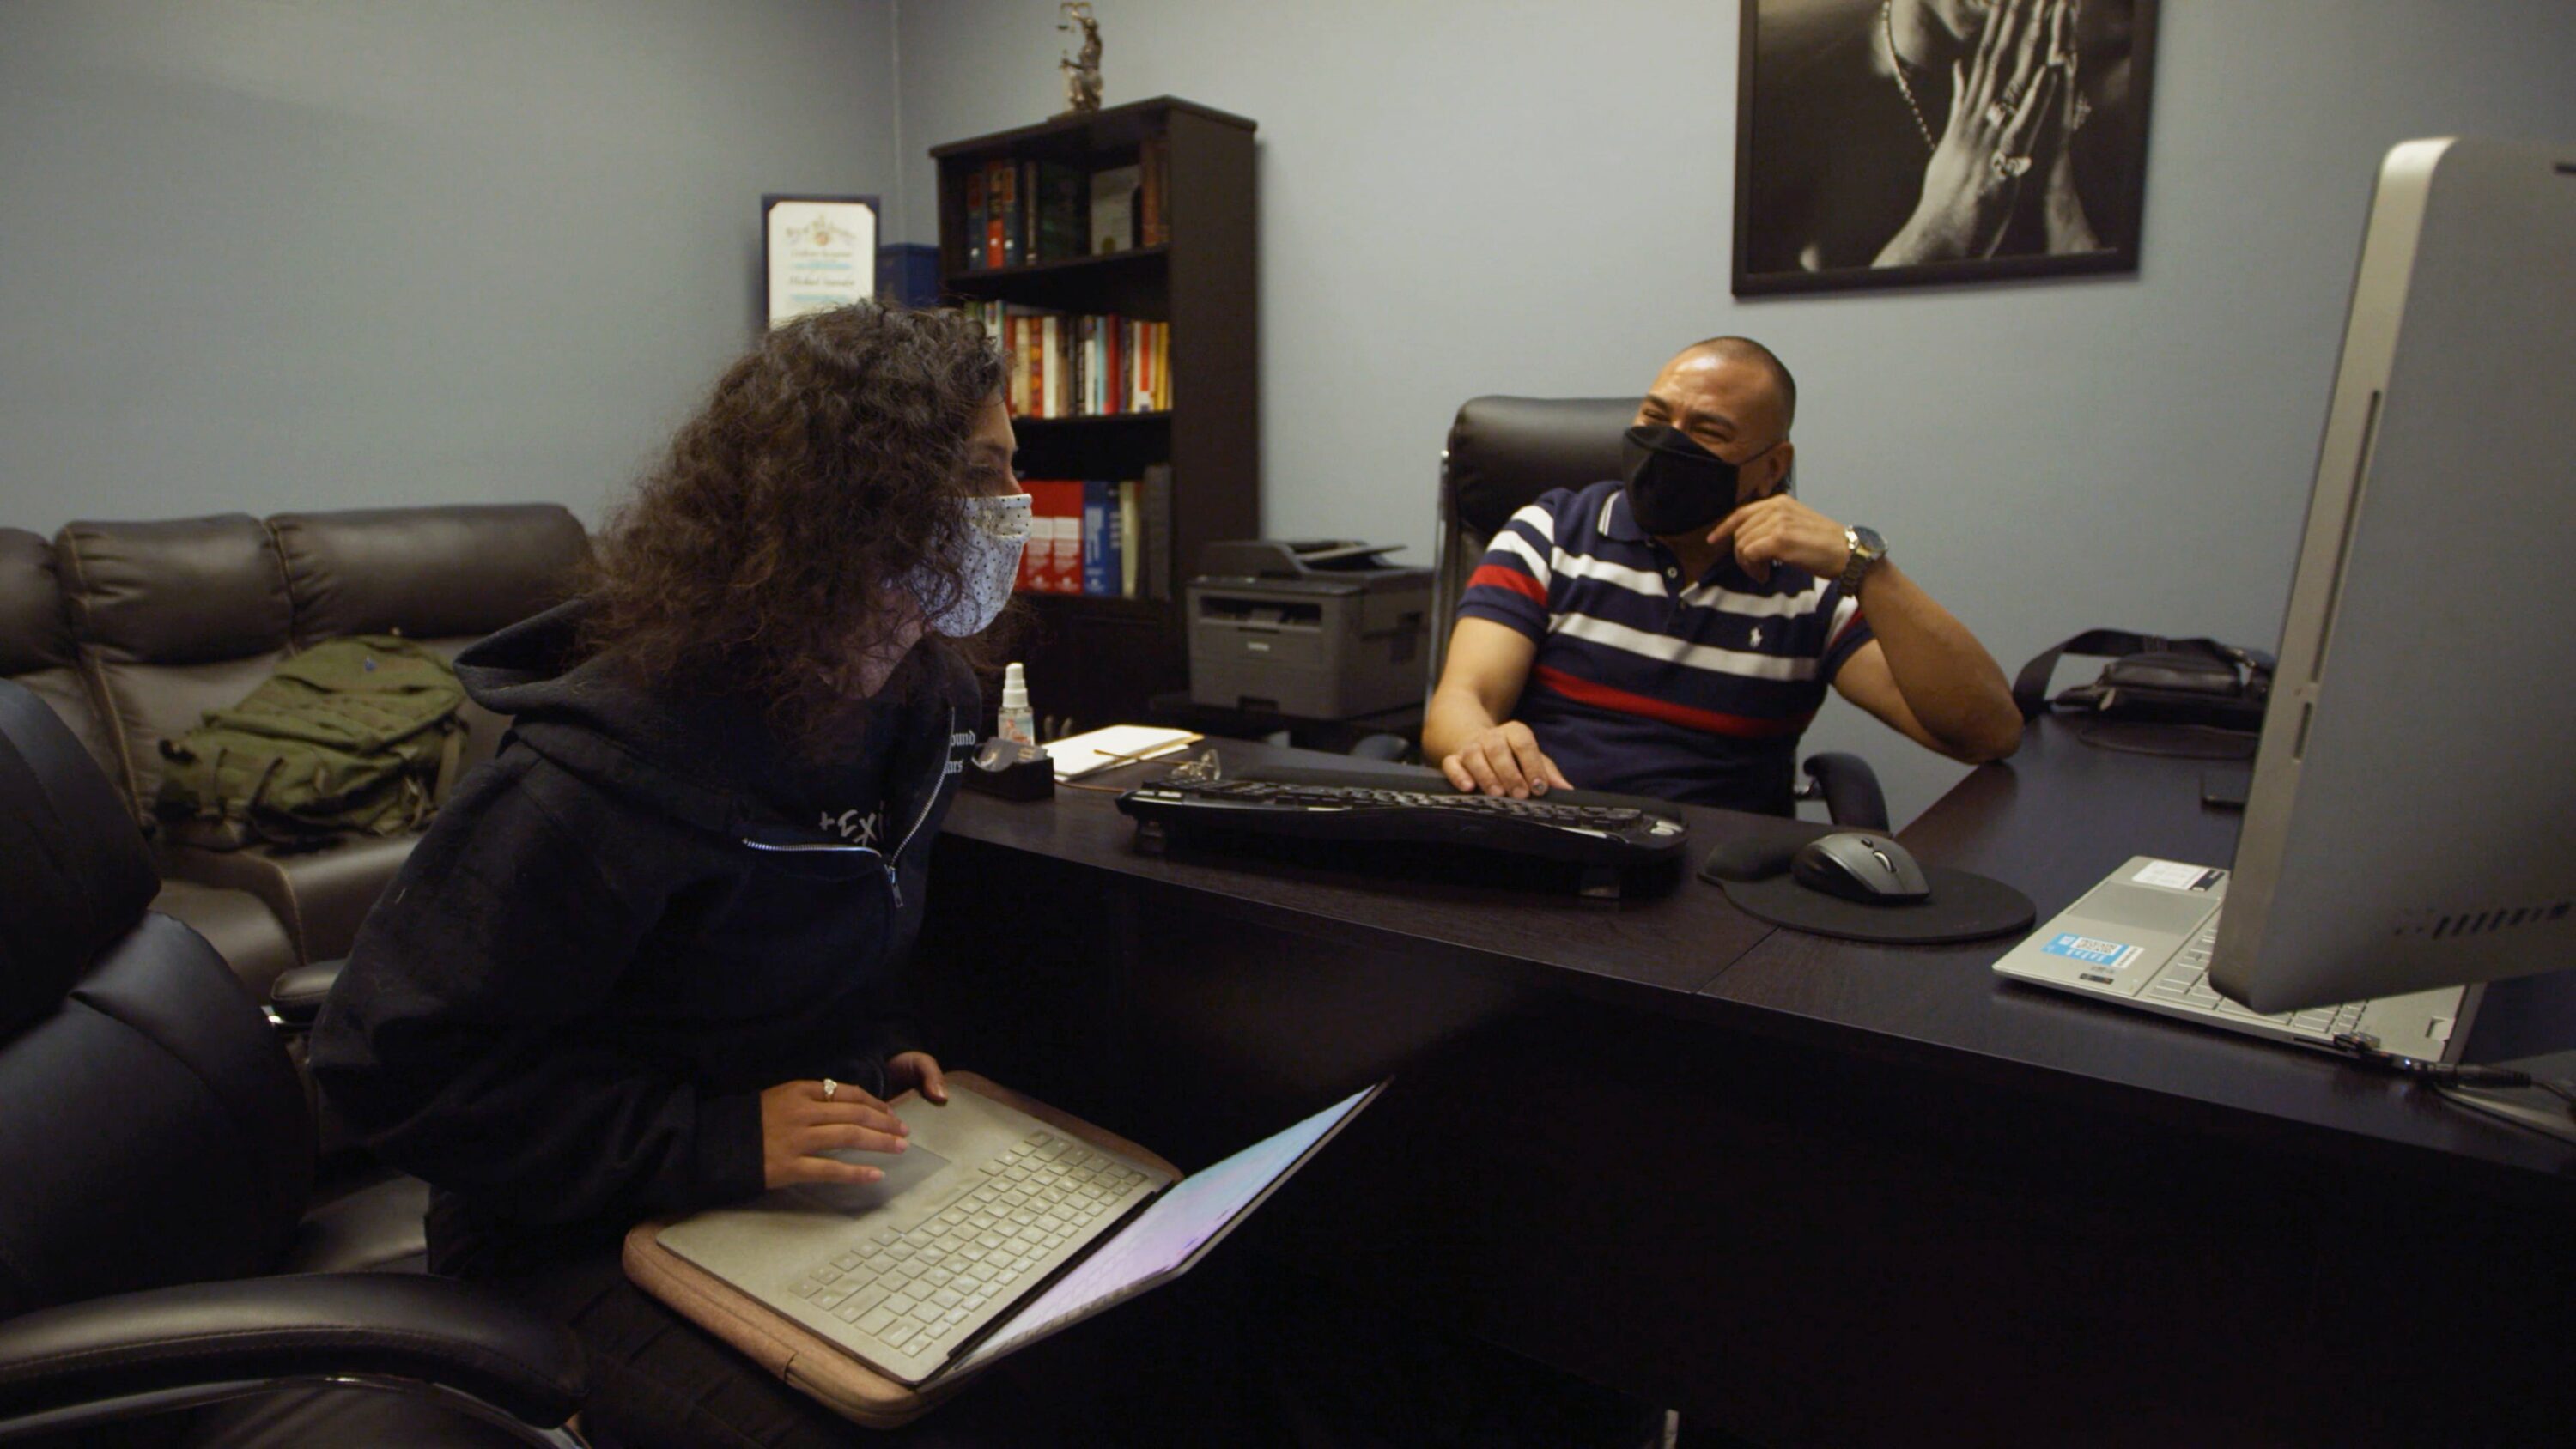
{"type": "Point", "coordinates": [1504, 760]}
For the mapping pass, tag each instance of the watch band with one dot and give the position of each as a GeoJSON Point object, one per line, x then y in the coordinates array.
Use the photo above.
{"type": "Point", "coordinates": [1866, 549]}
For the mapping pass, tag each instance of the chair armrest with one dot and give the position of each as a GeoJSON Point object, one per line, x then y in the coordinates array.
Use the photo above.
{"type": "Point", "coordinates": [1850, 789]}
{"type": "Point", "coordinates": [394, 1325]}
{"type": "Point", "coordinates": [299, 991]}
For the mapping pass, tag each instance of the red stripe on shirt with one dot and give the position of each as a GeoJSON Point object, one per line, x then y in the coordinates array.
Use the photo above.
{"type": "Point", "coordinates": [1507, 578]}
{"type": "Point", "coordinates": [1845, 629]}
{"type": "Point", "coordinates": [1742, 726]}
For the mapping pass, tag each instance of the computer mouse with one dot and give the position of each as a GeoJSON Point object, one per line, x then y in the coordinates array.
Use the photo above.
{"type": "Point", "coordinates": [1868, 868]}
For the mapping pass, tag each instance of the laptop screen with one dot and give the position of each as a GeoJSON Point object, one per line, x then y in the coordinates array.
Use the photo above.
{"type": "Point", "coordinates": [1162, 1239]}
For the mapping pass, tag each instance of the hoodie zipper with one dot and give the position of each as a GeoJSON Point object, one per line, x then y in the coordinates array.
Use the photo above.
{"type": "Point", "coordinates": [892, 863]}
{"type": "Point", "coordinates": [938, 781]}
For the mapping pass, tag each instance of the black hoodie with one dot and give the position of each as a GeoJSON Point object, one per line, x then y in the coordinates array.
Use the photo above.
{"type": "Point", "coordinates": [617, 934]}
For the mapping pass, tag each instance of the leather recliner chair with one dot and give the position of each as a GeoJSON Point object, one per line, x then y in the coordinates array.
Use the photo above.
{"type": "Point", "coordinates": [159, 1150]}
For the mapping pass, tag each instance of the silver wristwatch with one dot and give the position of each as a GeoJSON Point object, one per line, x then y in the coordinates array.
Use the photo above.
{"type": "Point", "coordinates": [1867, 548]}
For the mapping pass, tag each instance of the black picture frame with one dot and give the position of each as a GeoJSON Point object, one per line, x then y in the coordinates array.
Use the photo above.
{"type": "Point", "coordinates": [1820, 130]}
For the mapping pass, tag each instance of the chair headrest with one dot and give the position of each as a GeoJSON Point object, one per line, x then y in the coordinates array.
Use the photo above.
{"type": "Point", "coordinates": [456, 571]}
{"type": "Point", "coordinates": [1506, 451]}
{"type": "Point", "coordinates": [78, 874]}
{"type": "Point", "coordinates": [33, 633]}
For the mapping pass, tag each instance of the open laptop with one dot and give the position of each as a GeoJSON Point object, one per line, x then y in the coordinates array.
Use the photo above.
{"type": "Point", "coordinates": [992, 1230]}
{"type": "Point", "coordinates": [2143, 938]}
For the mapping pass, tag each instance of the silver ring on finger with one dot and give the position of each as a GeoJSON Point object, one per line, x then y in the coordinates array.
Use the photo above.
{"type": "Point", "coordinates": [830, 1087]}
{"type": "Point", "coordinates": [1999, 114]}
{"type": "Point", "coordinates": [2006, 167]}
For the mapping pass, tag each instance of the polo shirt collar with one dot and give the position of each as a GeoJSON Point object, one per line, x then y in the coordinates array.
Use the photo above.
{"type": "Point", "coordinates": [1616, 522]}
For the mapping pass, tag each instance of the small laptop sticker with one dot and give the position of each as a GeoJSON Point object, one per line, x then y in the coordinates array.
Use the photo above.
{"type": "Point", "coordinates": [2092, 949]}
{"type": "Point", "coordinates": [2176, 876]}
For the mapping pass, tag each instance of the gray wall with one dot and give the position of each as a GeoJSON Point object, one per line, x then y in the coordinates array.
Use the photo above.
{"type": "Point", "coordinates": [259, 255]}
{"type": "Point", "coordinates": [1511, 196]}
{"type": "Point", "coordinates": [262, 255]}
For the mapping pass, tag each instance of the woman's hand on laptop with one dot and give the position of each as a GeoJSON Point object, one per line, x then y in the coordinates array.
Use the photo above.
{"type": "Point", "coordinates": [799, 1120]}
{"type": "Point", "coordinates": [917, 1069]}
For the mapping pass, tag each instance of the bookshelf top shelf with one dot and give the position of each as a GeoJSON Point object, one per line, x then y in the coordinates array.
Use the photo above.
{"type": "Point", "coordinates": [1112, 129]}
{"type": "Point", "coordinates": [1132, 259]}
{"type": "Point", "coordinates": [1092, 420]}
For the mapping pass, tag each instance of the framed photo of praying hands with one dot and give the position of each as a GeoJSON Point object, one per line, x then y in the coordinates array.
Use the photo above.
{"type": "Point", "coordinates": [1892, 143]}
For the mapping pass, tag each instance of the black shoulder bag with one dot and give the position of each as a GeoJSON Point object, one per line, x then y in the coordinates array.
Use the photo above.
{"type": "Point", "coordinates": [2154, 680]}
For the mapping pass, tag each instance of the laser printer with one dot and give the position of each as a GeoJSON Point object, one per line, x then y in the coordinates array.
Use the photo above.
{"type": "Point", "coordinates": [1311, 629]}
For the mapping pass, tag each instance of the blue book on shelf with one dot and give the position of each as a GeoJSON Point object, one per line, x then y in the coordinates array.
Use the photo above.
{"type": "Point", "coordinates": [1100, 564]}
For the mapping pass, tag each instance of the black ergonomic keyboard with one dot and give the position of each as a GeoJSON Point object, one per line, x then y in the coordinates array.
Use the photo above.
{"type": "Point", "coordinates": [1600, 836]}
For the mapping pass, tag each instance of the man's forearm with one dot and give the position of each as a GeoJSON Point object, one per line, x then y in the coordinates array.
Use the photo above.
{"type": "Point", "coordinates": [1455, 716]}
{"type": "Point", "coordinates": [1953, 686]}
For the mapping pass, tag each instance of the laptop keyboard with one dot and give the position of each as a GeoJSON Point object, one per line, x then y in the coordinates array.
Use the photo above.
{"type": "Point", "coordinates": [914, 1292]}
{"type": "Point", "coordinates": [2184, 983]}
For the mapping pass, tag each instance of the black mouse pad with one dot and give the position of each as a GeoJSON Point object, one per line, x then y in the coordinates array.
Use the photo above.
{"type": "Point", "coordinates": [1963, 906]}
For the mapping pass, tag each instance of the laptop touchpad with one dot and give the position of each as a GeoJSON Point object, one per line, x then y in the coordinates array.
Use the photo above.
{"type": "Point", "coordinates": [2145, 909]}
{"type": "Point", "coordinates": [903, 1170]}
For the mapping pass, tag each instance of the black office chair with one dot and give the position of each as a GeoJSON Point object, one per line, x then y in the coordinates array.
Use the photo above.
{"type": "Point", "coordinates": [158, 1150]}
{"type": "Point", "coordinates": [1503, 453]}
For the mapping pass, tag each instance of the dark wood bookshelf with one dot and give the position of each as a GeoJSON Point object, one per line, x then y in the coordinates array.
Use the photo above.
{"type": "Point", "coordinates": [1102, 660]}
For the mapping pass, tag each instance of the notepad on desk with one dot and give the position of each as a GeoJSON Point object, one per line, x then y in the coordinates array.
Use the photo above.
{"type": "Point", "coordinates": [1094, 750]}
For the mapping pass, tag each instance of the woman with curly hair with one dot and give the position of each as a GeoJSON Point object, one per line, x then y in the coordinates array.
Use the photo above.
{"type": "Point", "coordinates": [608, 983]}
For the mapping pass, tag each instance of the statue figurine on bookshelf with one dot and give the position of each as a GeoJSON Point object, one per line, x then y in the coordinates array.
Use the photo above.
{"type": "Point", "coordinates": [1081, 75]}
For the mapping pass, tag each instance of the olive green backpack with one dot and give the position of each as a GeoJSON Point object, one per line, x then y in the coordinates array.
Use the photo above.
{"type": "Point", "coordinates": [354, 736]}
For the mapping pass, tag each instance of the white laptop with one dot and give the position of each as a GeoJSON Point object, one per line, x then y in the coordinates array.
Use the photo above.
{"type": "Point", "coordinates": [991, 1231]}
{"type": "Point", "coordinates": [2143, 938]}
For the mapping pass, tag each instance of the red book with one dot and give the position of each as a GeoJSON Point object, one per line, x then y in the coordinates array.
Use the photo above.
{"type": "Point", "coordinates": [1000, 192]}
{"type": "Point", "coordinates": [1055, 534]}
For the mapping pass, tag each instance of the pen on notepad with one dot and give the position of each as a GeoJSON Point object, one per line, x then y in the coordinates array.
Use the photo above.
{"type": "Point", "coordinates": [1132, 757]}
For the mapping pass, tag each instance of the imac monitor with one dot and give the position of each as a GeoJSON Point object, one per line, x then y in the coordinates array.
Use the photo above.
{"type": "Point", "coordinates": [2412, 817]}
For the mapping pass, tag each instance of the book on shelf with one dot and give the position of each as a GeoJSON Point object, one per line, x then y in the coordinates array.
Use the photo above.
{"type": "Point", "coordinates": [1153, 192]}
{"type": "Point", "coordinates": [1095, 537]}
{"type": "Point", "coordinates": [1100, 539]}
{"type": "Point", "coordinates": [1113, 210]}
{"type": "Point", "coordinates": [1154, 498]}
{"type": "Point", "coordinates": [1060, 229]}
{"type": "Point", "coordinates": [1065, 366]}
{"type": "Point", "coordinates": [1002, 214]}
{"type": "Point", "coordinates": [978, 216]}
{"type": "Point", "coordinates": [1131, 535]}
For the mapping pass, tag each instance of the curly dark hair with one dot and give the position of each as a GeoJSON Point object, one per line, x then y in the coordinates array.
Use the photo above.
{"type": "Point", "coordinates": [825, 469]}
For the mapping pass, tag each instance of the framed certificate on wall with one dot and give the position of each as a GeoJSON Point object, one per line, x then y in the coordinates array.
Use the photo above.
{"type": "Point", "coordinates": [818, 252]}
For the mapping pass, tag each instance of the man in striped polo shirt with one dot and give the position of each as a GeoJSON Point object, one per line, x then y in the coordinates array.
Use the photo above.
{"type": "Point", "coordinates": [1672, 632]}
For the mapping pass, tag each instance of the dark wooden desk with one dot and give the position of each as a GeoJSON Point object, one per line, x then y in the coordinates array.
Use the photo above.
{"type": "Point", "coordinates": [1818, 1192]}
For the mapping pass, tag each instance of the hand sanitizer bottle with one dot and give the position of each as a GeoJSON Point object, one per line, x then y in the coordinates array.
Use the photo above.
{"type": "Point", "coordinates": [1015, 722]}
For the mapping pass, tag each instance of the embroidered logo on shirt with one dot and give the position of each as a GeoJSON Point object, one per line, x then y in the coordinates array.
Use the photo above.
{"type": "Point", "coordinates": [1755, 638]}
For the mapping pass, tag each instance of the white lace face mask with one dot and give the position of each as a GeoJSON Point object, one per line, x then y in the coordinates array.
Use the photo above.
{"type": "Point", "coordinates": [987, 557]}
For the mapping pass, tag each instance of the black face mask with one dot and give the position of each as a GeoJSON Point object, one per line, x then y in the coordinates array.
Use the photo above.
{"type": "Point", "coordinates": [1676, 486]}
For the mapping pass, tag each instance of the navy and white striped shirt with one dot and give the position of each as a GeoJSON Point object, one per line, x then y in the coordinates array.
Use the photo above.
{"type": "Point", "coordinates": [1648, 688]}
